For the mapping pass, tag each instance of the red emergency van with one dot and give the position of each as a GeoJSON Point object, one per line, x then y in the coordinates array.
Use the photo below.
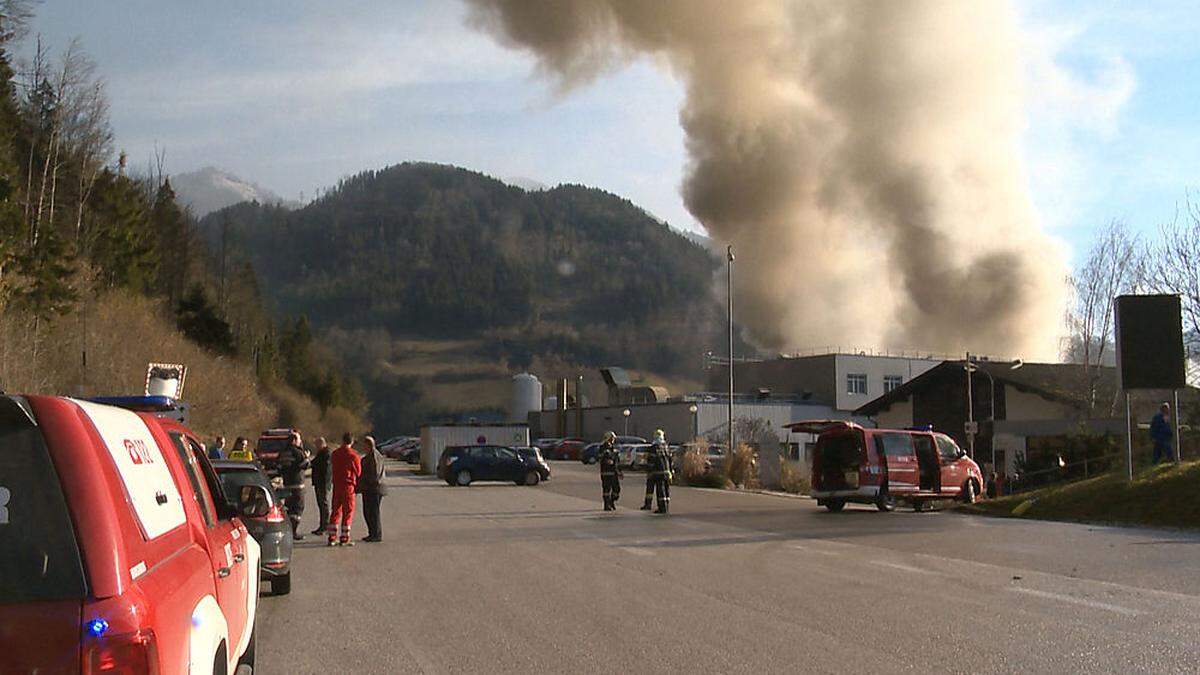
{"type": "Point", "coordinates": [885, 466]}
{"type": "Point", "coordinates": [118, 551]}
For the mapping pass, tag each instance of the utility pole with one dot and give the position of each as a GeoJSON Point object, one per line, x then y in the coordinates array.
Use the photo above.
{"type": "Point", "coordinates": [729, 292]}
{"type": "Point", "coordinates": [970, 412]}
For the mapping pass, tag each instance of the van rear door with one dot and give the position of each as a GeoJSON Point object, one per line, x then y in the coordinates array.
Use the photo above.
{"type": "Point", "coordinates": [895, 448]}
{"type": "Point", "coordinates": [42, 583]}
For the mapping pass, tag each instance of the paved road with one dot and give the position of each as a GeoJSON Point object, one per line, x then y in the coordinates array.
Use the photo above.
{"type": "Point", "coordinates": [500, 578]}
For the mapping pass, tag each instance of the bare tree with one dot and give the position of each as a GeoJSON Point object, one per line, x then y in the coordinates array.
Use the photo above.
{"type": "Point", "coordinates": [1173, 266]}
{"type": "Point", "coordinates": [1113, 267]}
{"type": "Point", "coordinates": [67, 106]}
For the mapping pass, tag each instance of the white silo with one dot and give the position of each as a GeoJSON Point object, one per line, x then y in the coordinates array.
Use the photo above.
{"type": "Point", "coordinates": [526, 397]}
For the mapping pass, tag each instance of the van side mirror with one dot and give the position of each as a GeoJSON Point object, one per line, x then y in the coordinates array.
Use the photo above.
{"type": "Point", "coordinates": [254, 501]}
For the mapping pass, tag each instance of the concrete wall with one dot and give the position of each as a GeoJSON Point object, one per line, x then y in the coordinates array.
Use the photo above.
{"type": "Point", "coordinates": [875, 368]}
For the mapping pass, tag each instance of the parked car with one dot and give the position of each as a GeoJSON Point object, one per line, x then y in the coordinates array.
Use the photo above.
{"type": "Point", "coordinates": [272, 531]}
{"type": "Point", "coordinates": [534, 456]}
{"type": "Point", "coordinates": [568, 448]}
{"type": "Point", "coordinates": [120, 551]}
{"type": "Point", "coordinates": [885, 466]}
{"type": "Point", "coordinates": [396, 447]}
{"type": "Point", "coordinates": [412, 453]}
{"type": "Point", "coordinates": [270, 444]}
{"type": "Point", "coordinates": [633, 455]}
{"type": "Point", "coordinates": [546, 445]}
{"type": "Point", "coordinates": [464, 464]}
{"type": "Point", "coordinates": [591, 453]}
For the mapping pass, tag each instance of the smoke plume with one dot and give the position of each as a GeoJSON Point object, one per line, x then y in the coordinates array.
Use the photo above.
{"type": "Point", "coordinates": [861, 157]}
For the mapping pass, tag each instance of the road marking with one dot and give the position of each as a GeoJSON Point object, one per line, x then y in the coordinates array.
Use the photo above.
{"type": "Point", "coordinates": [902, 566]}
{"type": "Point", "coordinates": [1076, 601]}
{"type": "Point", "coordinates": [809, 549]}
{"type": "Point", "coordinates": [636, 551]}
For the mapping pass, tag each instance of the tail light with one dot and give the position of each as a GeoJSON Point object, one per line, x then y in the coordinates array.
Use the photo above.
{"type": "Point", "coordinates": [275, 515]}
{"type": "Point", "coordinates": [122, 654]}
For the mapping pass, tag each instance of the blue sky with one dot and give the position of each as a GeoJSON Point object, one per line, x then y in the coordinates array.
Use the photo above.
{"type": "Point", "coordinates": [296, 94]}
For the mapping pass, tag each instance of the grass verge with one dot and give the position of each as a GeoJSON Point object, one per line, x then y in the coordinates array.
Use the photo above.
{"type": "Point", "coordinates": [1159, 496]}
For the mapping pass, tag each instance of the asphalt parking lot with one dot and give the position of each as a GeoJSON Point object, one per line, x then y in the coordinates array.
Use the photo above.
{"type": "Point", "coordinates": [501, 578]}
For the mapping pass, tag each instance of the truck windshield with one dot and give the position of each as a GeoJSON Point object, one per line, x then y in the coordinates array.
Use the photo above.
{"type": "Point", "coordinates": [39, 558]}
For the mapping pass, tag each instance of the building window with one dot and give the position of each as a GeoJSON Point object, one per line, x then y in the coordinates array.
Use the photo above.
{"type": "Point", "coordinates": [856, 383]}
{"type": "Point", "coordinates": [891, 382]}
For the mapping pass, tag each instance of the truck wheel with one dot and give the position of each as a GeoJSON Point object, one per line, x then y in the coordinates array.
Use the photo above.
{"type": "Point", "coordinates": [968, 492]}
{"type": "Point", "coordinates": [281, 585]}
{"type": "Point", "coordinates": [463, 478]}
{"type": "Point", "coordinates": [835, 505]}
{"type": "Point", "coordinates": [885, 502]}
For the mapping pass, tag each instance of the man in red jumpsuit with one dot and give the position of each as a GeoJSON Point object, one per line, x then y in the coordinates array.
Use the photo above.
{"type": "Point", "coordinates": [344, 468]}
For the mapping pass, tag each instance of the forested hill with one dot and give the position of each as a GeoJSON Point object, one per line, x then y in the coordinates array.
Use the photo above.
{"type": "Point", "coordinates": [430, 250]}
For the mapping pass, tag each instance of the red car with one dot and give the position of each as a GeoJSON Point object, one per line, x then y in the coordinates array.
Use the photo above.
{"type": "Point", "coordinates": [118, 550]}
{"type": "Point", "coordinates": [884, 466]}
{"type": "Point", "coordinates": [568, 448]}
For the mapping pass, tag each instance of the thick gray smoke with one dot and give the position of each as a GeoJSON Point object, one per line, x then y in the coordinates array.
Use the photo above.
{"type": "Point", "coordinates": [860, 155]}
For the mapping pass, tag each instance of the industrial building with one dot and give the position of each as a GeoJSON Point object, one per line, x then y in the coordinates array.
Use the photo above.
{"type": "Point", "coordinates": [843, 381]}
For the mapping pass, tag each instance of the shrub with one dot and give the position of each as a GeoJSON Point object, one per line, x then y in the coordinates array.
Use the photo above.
{"type": "Point", "coordinates": [741, 468]}
{"type": "Point", "coordinates": [793, 478]}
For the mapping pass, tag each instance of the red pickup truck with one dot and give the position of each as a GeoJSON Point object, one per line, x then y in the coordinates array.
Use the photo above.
{"type": "Point", "coordinates": [118, 550]}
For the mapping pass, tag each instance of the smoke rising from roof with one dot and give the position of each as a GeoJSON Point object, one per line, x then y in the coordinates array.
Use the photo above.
{"type": "Point", "coordinates": [861, 157]}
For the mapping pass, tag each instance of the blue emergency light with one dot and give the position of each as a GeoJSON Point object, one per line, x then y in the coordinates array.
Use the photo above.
{"type": "Point", "coordinates": [160, 406]}
{"type": "Point", "coordinates": [97, 627]}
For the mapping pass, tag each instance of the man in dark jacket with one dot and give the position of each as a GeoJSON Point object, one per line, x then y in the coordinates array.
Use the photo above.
{"type": "Point", "coordinates": [292, 463]}
{"type": "Point", "coordinates": [372, 488]}
{"type": "Point", "coordinates": [217, 449]}
{"type": "Point", "coordinates": [321, 483]}
{"type": "Point", "coordinates": [610, 471]}
{"type": "Point", "coordinates": [1160, 433]}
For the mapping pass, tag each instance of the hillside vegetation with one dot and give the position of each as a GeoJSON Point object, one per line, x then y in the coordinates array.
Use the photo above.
{"type": "Point", "coordinates": [101, 272]}
{"type": "Point", "coordinates": [557, 281]}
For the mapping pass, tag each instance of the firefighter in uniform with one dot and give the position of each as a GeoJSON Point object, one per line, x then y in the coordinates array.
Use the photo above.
{"type": "Point", "coordinates": [292, 463]}
{"type": "Point", "coordinates": [610, 471]}
{"type": "Point", "coordinates": [345, 468]}
{"type": "Point", "coordinates": [658, 473]}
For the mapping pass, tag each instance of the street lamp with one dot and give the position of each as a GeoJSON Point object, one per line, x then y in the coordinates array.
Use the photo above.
{"type": "Point", "coordinates": [695, 427]}
{"type": "Point", "coordinates": [625, 412]}
{"type": "Point", "coordinates": [970, 367]}
{"type": "Point", "coordinates": [729, 293]}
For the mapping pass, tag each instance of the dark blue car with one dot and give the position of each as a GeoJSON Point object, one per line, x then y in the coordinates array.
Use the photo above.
{"type": "Point", "coordinates": [465, 464]}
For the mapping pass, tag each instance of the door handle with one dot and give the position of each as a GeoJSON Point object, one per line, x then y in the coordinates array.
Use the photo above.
{"type": "Point", "coordinates": [239, 557]}
{"type": "Point", "coordinates": [223, 572]}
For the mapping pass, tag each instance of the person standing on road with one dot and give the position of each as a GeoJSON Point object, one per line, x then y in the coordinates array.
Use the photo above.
{"type": "Point", "coordinates": [344, 467]}
{"type": "Point", "coordinates": [610, 471]}
{"type": "Point", "coordinates": [372, 487]}
{"type": "Point", "coordinates": [658, 473]}
{"type": "Point", "coordinates": [241, 450]}
{"type": "Point", "coordinates": [320, 483]}
{"type": "Point", "coordinates": [217, 449]}
{"type": "Point", "coordinates": [292, 463]}
{"type": "Point", "coordinates": [1161, 434]}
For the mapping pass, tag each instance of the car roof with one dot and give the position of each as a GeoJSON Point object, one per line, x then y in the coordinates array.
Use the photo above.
{"type": "Point", "coordinates": [234, 465]}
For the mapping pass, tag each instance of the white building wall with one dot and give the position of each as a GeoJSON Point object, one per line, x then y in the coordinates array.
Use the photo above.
{"type": "Point", "coordinates": [435, 438]}
{"type": "Point", "coordinates": [875, 368]}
